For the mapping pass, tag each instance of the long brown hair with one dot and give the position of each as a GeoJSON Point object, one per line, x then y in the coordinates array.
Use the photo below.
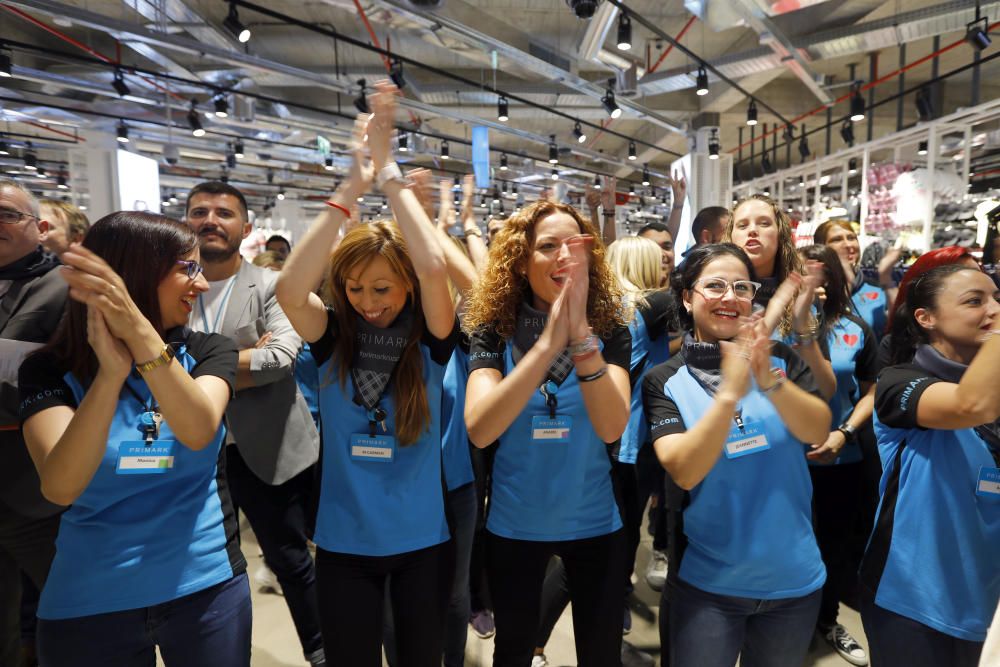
{"type": "Point", "coordinates": [503, 286]}
{"type": "Point", "coordinates": [357, 249]}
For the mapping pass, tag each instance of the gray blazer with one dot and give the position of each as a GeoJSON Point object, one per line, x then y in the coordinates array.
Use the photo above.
{"type": "Point", "coordinates": [269, 422]}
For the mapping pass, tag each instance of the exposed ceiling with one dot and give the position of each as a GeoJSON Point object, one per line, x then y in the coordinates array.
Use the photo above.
{"type": "Point", "coordinates": [293, 80]}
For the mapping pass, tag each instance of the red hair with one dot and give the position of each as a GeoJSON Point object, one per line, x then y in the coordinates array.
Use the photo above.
{"type": "Point", "coordinates": [929, 260]}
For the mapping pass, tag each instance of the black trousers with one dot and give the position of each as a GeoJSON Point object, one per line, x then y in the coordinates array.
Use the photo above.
{"type": "Point", "coordinates": [593, 571]}
{"type": "Point", "coordinates": [837, 503]}
{"type": "Point", "coordinates": [352, 605]}
{"type": "Point", "coordinates": [898, 641]}
{"type": "Point", "coordinates": [282, 521]}
{"type": "Point", "coordinates": [482, 468]}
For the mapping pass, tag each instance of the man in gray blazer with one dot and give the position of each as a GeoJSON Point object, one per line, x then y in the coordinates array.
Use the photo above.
{"type": "Point", "coordinates": [273, 443]}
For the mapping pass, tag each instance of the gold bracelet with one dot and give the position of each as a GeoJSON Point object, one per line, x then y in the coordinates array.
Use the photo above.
{"type": "Point", "coordinates": [162, 359]}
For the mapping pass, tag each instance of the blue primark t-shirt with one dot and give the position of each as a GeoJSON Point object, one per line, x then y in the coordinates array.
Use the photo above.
{"type": "Point", "coordinates": [871, 304]}
{"type": "Point", "coordinates": [934, 555]}
{"type": "Point", "coordinates": [133, 541]}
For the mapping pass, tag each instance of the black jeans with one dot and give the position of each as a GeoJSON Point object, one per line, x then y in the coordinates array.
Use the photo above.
{"type": "Point", "coordinates": [482, 467]}
{"type": "Point", "coordinates": [650, 478]}
{"type": "Point", "coordinates": [593, 571]}
{"type": "Point", "coordinates": [898, 641]}
{"type": "Point", "coordinates": [837, 501]}
{"type": "Point", "coordinates": [27, 545]}
{"type": "Point", "coordinates": [281, 520]}
{"type": "Point", "coordinates": [352, 605]}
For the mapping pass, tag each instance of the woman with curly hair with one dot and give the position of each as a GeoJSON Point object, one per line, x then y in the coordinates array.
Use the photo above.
{"type": "Point", "coordinates": [549, 380]}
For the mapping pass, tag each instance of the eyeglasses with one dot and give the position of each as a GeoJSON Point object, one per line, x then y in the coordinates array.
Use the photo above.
{"type": "Point", "coordinates": [9, 216]}
{"type": "Point", "coordinates": [191, 267]}
{"type": "Point", "coordinates": [716, 288]}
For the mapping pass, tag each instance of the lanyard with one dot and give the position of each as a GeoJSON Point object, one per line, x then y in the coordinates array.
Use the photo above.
{"type": "Point", "coordinates": [549, 389]}
{"type": "Point", "coordinates": [149, 420]}
{"type": "Point", "coordinates": [221, 309]}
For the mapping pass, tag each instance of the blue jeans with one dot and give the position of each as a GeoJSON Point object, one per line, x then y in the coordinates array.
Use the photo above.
{"type": "Point", "coordinates": [898, 641]}
{"type": "Point", "coordinates": [210, 628]}
{"type": "Point", "coordinates": [712, 630]}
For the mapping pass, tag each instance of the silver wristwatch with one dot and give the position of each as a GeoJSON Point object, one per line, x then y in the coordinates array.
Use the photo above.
{"type": "Point", "coordinates": [389, 172]}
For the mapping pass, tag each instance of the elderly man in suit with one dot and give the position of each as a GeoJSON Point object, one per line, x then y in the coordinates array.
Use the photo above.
{"type": "Point", "coordinates": [32, 300]}
{"type": "Point", "coordinates": [273, 443]}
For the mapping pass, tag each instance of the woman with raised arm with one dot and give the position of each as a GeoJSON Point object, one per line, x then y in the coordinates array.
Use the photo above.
{"type": "Point", "coordinates": [549, 379]}
{"type": "Point", "coordinates": [931, 576]}
{"type": "Point", "coordinates": [868, 299]}
{"type": "Point", "coordinates": [382, 345]}
{"type": "Point", "coordinates": [728, 417]}
{"type": "Point", "coordinates": [122, 414]}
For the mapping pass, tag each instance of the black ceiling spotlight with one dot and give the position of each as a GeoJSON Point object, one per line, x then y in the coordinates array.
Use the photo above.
{"type": "Point", "coordinates": [194, 121]}
{"type": "Point", "coordinates": [752, 112]}
{"type": "Point", "coordinates": [925, 107]}
{"type": "Point", "coordinates": [608, 101]}
{"type": "Point", "coordinates": [553, 150]}
{"type": "Point", "coordinates": [231, 160]}
{"type": "Point", "coordinates": [505, 187]}
{"type": "Point", "coordinates": [61, 182]}
{"type": "Point", "coordinates": [4, 147]}
{"type": "Point", "coordinates": [804, 145]}
{"type": "Point", "coordinates": [702, 81]}
{"type": "Point", "coordinates": [713, 145]}
{"type": "Point", "coordinates": [503, 109]}
{"type": "Point", "coordinates": [765, 163]}
{"type": "Point", "coordinates": [5, 63]}
{"type": "Point", "coordinates": [404, 142]}
{"type": "Point", "coordinates": [631, 189]}
{"type": "Point", "coordinates": [645, 174]}
{"type": "Point", "coordinates": [922, 148]}
{"type": "Point", "coordinates": [847, 133]}
{"type": "Point", "coordinates": [788, 133]}
{"type": "Point", "coordinates": [225, 176]}
{"type": "Point", "coordinates": [977, 32]}
{"type": "Point", "coordinates": [597, 182]}
{"type": "Point", "coordinates": [444, 150]}
{"type": "Point", "coordinates": [579, 133]}
{"type": "Point", "coordinates": [270, 176]}
{"type": "Point", "coordinates": [396, 73]}
{"type": "Point", "coordinates": [631, 150]}
{"type": "Point", "coordinates": [119, 83]}
{"type": "Point", "coordinates": [857, 103]}
{"type": "Point", "coordinates": [221, 105]}
{"type": "Point", "coordinates": [238, 149]}
{"type": "Point", "coordinates": [852, 166]}
{"type": "Point", "coordinates": [584, 9]}
{"type": "Point", "coordinates": [328, 163]}
{"type": "Point", "coordinates": [624, 32]}
{"type": "Point", "coordinates": [555, 174]}
{"type": "Point", "coordinates": [503, 162]}
{"type": "Point", "coordinates": [361, 101]}
{"type": "Point", "coordinates": [496, 194]}
{"type": "Point", "coordinates": [233, 24]}
{"type": "Point", "coordinates": [30, 159]}
{"type": "Point", "coordinates": [40, 172]}
{"type": "Point", "coordinates": [281, 194]}
{"type": "Point", "coordinates": [122, 132]}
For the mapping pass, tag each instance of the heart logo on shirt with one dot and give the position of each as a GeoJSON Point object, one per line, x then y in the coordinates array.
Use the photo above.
{"type": "Point", "coordinates": [851, 339]}
{"type": "Point", "coordinates": [872, 296]}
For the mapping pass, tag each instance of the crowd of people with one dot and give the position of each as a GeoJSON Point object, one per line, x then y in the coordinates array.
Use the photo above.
{"type": "Point", "coordinates": [470, 430]}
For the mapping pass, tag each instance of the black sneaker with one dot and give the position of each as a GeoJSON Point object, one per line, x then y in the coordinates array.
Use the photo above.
{"type": "Point", "coordinates": [847, 646]}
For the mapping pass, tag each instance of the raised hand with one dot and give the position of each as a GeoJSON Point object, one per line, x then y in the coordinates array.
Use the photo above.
{"type": "Point", "coordinates": [420, 182]}
{"type": "Point", "coordinates": [678, 187]}
{"type": "Point", "coordinates": [592, 197]}
{"type": "Point", "coordinates": [608, 194]}
{"type": "Point", "coordinates": [380, 127]}
{"type": "Point", "coordinates": [736, 363]}
{"type": "Point", "coordinates": [361, 173]}
{"type": "Point", "coordinates": [802, 310]}
{"type": "Point", "coordinates": [93, 282]}
{"type": "Point", "coordinates": [557, 332]}
{"type": "Point", "coordinates": [578, 286]}
{"type": "Point", "coordinates": [113, 356]}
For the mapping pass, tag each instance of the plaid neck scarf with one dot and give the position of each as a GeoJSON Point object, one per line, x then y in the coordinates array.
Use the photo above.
{"type": "Point", "coordinates": [704, 361]}
{"type": "Point", "coordinates": [530, 324]}
{"type": "Point", "coordinates": [376, 353]}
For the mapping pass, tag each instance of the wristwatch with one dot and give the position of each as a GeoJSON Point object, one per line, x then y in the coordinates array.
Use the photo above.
{"type": "Point", "coordinates": [163, 359]}
{"type": "Point", "coordinates": [849, 431]}
{"type": "Point", "coordinates": [389, 172]}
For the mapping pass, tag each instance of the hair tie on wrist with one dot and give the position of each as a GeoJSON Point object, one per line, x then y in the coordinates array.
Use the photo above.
{"type": "Point", "coordinates": [342, 209]}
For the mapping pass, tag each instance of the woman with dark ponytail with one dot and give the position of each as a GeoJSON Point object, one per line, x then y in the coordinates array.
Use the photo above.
{"type": "Point", "coordinates": [931, 577]}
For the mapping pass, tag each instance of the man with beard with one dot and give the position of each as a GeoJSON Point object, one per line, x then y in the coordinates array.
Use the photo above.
{"type": "Point", "coordinates": [273, 441]}
{"type": "Point", "coordinates": [32, 300]}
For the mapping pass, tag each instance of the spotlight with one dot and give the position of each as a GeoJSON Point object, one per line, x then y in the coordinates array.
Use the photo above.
{"type": "Point", "coordinates": [4, 147]}
{"type": "Point", "coordinates": [221, 106]}
{"type": "Point", "coordinates": [61, 183]}
{"type": "Point", "coordinates": [713, 145]}
{"type": "Point", "coordinates": [361, 101]}
{"type": "Point", "coordinates": [503, 114]}
{"type": "Point", "coordinates": [752, 112]}
{"type": "Point", "coordinates": [608, 101]}
{"type": "Point", "coordinates": [173, 199]}
{"type": "Point", "coordinates": [702, 81]}
{"type": "Point", "coordinates": [553, 150]}
{"type": "Point", "coordinates": [231, 161]}
{"type": "Point", "coordinates": [597, 182]}
{"type": "Point", "coordinates": [788, 133]}
{"type": "Point", "coordinates": [404, 142]}
{"type": "Point", "coordinates": [238, 149]}
{"type": "Point", "coordinates": [555, 174]}
{"type": "Point", "coordinates": [119, 84]}
{"type": "Point", "coordinates": [233, 24]}
{"type": "Point", "coordinates": [579, 133]}
{"type": "Point", "coordinates": [624, 32]}
{"type": "Point", "coordinates": [503, 162]}
{"type": "Point", "coordinates": [122, 132]}
{"type": "Point", "coordinates": [631, 189]}
{"type": "Point", "coordinates": [804, 145]}
{"type": "Point", "coordinates": [857, 105]}
{"type": "Point", "coordinates": [328, 163]}
{"type": "Point", "coordinates": [922, 148]}
{"type": "Point", "coordinates": [5, 65]}
{"type": "Point", "coordinates": [396, 73]}
{"type": "Point", "coordinates": [194, 121]}
{"type": "Point", "coordinates": [852, 166]}
{"type": "Point", "coordinates": [847, 133]}
{"type": "Point", "coordinates": [925, 107]}
{"type": "Point", "coordinates": [976, 33]}
{"type": "Point", "coordinates": [281, 194]}
{"type": "Point", "coordinates": [645, 175]}
{"type": "Point", "coordinates": [30, 159]}
{"type": "Point", "coordinates": [225, 176]}
{"type": "Point", "coordinates": [505, 187]}
{"type": "Point", "coordinates": [385, 204]}
{"type": "Point", "coordinates": [765, 163]}
{"type": "Point", "coordinates": [444, 150]}
{"type": "Point", "coordinates": [496, 195]}
{"type": "Point", "coordinates": [631, 150]}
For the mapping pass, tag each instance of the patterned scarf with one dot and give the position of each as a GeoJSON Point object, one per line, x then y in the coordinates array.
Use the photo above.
{"type": "Point", "coordinates": [704, 361]}
{"type": "Point", "coordinates": [376, 353]}
{"type": "Point", "coordinates": [530, 324]}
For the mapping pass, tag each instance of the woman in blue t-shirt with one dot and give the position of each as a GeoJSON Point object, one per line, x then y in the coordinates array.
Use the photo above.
{"type": "Point", "coordinates": [382, 345]}
{"type": "Point", "coordinates": [728, 417]}
{"type": "Point", "coordinates": [549, 380]}
{"type": "Point", "coordinates": [122, 416]}
{"type": "Point", "coordinates": [931, 574]}
{"type": "Point", "coordinates": [868, 300]}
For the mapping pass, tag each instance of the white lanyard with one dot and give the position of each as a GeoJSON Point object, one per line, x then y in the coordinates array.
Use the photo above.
{"type": "Point", "coordinates": [221, 309]}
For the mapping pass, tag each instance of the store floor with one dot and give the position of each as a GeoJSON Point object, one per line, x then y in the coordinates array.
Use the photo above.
{"type": "Point", "coordinates": [275, 643]}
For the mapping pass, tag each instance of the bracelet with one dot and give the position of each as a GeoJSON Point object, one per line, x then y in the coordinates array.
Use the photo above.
{"type": "Point", "coordinates": [599, 373]}
{"type": "Point", "coordinates": [807, 337]}
{"type": "Point", "coordinates": [342, 209]}
{"type": "Point", "coordinates": [779, 380]}
{"type": "Point", "coordinates": [582, 346]}
{"type": "Point", "coordinates": [583, 357]}
{"type": "Point", "coordinates": [472, 231]}
{"type": "Point", "coordinates": [849, 431]}
{"type": "Point", "coordinates": [389, 172]}
{"type": "Point", "coordinates": [162, 359]}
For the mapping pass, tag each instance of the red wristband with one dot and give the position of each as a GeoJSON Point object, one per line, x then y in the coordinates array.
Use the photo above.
{"type": "Point", "coordinates": [586, 355]}
{"type": "Point", "coordinates": [342, 209]}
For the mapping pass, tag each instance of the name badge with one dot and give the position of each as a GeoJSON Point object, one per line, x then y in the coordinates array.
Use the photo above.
{"type": "Point", "coordinates": [989, 482]}
{"type": "Point", "coordinates": [378, 448]}
{"type": "Point", "coordinates": [745, 441]}
{"type": "Point", "coordinates": [136, 457]}
{"type": "Point", "coordinates": [550, 429]}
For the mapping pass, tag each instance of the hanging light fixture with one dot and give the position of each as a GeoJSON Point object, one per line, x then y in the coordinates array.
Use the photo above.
{"type": "Point", "coordinates": [233, 24]}
{"type": "Point", "coordinates": [804, 145]}
{"type": "Point", "coordinates": [238, 149]}
{"type": "Point", "coordinates": [281, 194]}
{"type": "Point", "coordinates": [624, 32]}
{"type": "Point", "coordinates": [579, 133]}
{"type": "Point", "coordinates": [702, 81]}
{"type": "Point", "coordinates": [645, 174]}
{"type": "Point", "coordinates": [503, 109]}
{"type": "Point", "coordinates": [922, 148]}
{"type": "Point", "coordinates": [765, 163]}
{"type": "Point", "coordinates": [852, 166]}
{"type": "Point", "coordinates": [444, 150]}
{"type": "Point", "coordinates": [857, 103]}
{"type": "Point", "coordinates": [4, 147]}
{"type": "Point", "coordinates": [61, 182]}
{"type": "Point", "coordinates": [122, 132]}
{"type": "Point", "coordinates": [555, 174]}
{"type": "Point", "coordinates": [221, 105]}
{"type": "Point", "coordinates": [194, 121]}
{"type": "Point", "coordinates": [977, 32]}
{"type": "Point", "coordinates": [503, 162]}
{"type": "Point", "coordinates": [118, 83]}
{"type": "Point", "coordinates": [396, 73]}
{"type": "Point", "coordinates": [713, 145]}
{"type": "Point", "coordinates": [30, 159]}
{"type": "Point", "coordinates": [631, 189]}
{"type": "Point", "coordinates": [925, 107]}
{"type": "Point", "coordinates": [496, 194]}
{"type": "Point", "coordinates": [361, 101]}
{"type": "Point", "coordinates": [597, 182]}
{"type": "Point", "coordinates": [631, 150]}
{"type": "Point", "coordinates": [553, 150]}
{"type": "Point", "coordinates": [328, 163]}
{"type": "Point", "coordinates": [5, 64]}
{"type": "Point", "coordinates": [404, 142]}
{"type": "Point", "coordinates": [752, 112]}
{"type": "Point", "coordinates": [608, 101]}
{"type": "Point", "coordinates": [847, 133]}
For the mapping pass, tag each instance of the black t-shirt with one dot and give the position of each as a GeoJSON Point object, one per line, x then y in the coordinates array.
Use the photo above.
{"type": "Point", "coordinates": [897, 393]}
{"type": "Point", "coordinates": [662, 413]}
{"type": "Point", "coordinates": [42, 386]}
{"type": "Point", "coordinates": [658, 313]}
{"type": "Point", "coordinates": [440, 349]}
{"type": "Point", "coordinates": [487, 348]}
